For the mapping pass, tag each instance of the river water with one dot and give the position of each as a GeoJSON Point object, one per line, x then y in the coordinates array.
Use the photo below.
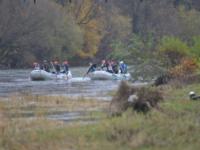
{"type": "Point", "coordinates": [17, 81]}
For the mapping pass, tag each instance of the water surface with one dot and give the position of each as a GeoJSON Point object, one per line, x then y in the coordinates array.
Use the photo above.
{"type": "Point", "coordinates": [18, 81]}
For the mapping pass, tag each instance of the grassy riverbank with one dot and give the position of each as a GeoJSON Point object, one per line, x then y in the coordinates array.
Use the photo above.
{"type": "Point", "coordinates": [174, 125]}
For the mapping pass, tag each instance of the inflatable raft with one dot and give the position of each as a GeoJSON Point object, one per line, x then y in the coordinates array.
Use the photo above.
{"type": "Point", "coordinates": [38, 74]}
{"type": "Point", "coordinates": [104, 75]}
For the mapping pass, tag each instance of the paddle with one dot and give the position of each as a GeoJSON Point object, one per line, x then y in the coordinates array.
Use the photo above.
{"type": "Point", "coordinates": [86, 72]}
{"type": "Point", "coordinates": [91, 68]}
{"type": "Point", "coordinates": [85, 75]}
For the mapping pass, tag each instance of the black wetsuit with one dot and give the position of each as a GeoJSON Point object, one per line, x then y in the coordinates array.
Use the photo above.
{"type": "Point", "coordinates": [57, 67]}
{"type": "Point", "coordinates": [92, 68]}
{"type": "Point", "coordinates": [66, 68]}
{"type": "Point", "coordinates": [115, 68]}
{"type": "Point", "coordinates": [46, 67]}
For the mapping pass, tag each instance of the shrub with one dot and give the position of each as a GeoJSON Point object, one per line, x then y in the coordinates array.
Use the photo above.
{"type": "Point", "coordinates": [162, 79]}
{"type": "Point", "coordinates": [117, 53]}
{"type": "Point", "coordinates": [141, 99]}
{"type": "Point", "coordinates": [195, 49]}
{"type": "Point", "coordinates": [149, 94]}
{"type": "Point", "coordinates": [173, 50]}
{"type": "Point", "coordinates": [119, 102]}
{"type": "Point", "coordinates": [186, 67]}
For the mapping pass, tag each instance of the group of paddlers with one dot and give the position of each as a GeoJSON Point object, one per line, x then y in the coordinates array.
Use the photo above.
{"type": "Point", "coordinates": [106, 65]}
{"type": "Point", "coordinates": [55, 65]}
{"type": "Point", "coordinates": [109, 66]}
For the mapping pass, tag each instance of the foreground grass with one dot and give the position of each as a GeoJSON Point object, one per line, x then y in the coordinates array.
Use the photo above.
{"type": "Point", "coordinates": [175, 125]}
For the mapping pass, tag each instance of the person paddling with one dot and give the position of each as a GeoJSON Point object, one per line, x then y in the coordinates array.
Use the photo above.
{"type": "Point", "coordinates": [123, 67]}
{"type": "Point", "coordinates": [66, 67]}
{"type": "Point", "coordinates": [109, 68]}
{"type": "Point", "coordinates": [103, 65]}
{"type": "Point", "coordinates": [115, 67]}
{"type": "Point", "coordinates": [36, 66]}
{"type": "Point", "coordinates": [92, 68]}
{"type": "Point", "coordinates": [45, 66]}
{"type": "Point", "coordinates": [57, 67]}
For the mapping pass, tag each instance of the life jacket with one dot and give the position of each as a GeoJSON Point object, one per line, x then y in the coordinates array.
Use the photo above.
{"type": "Point", "coordinates": [123, 68]}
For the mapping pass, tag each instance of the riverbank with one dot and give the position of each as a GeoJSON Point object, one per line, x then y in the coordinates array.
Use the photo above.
{"type": "Point", "coordinates": [175, 124]}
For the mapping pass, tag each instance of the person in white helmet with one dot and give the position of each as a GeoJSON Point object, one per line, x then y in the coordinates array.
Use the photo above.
{"type": "Point", "coordinates": [123, 67]}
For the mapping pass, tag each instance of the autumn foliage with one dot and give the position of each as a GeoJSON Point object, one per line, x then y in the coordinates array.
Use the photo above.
{"type": "Point", "coordinates": [92, 29]}
{"type": "Point", "coordinates": [186, 67]}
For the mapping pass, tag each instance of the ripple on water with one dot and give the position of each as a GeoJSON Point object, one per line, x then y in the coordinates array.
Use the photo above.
{"type": "Point", "coordinates": [17, 81]}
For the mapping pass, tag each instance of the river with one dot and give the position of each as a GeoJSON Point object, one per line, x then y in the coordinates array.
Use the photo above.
{"type": "Point", "coordinates": [18, 82]}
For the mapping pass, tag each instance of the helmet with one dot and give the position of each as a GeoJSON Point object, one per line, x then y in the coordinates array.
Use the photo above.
{"type": "Point", "coordinates": [191, 93]}
{"type": "Point", "coordinates": [121, 62]}
{"type": "Point", "coordinates": [103, 61]}
{"type": "Point", "coordinates": [65, 62]}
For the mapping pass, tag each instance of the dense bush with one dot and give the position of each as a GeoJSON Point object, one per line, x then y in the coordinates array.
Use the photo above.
{"type": "Point", "coordinates": [195, 48]}
{"type": "Point", "coordinates": [173, 50]}
{"type": "Point", "coordinates": [186, 67]}
{"type": "Point", "coordinates": [140, 99]}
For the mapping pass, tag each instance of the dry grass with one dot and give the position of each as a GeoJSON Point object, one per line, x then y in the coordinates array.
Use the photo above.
{"type": "Point", "coordinates": [176, 125]}
{"type": "Point", "coordinates": [38, 105]}
{"type": "Point", "coordinates": [24, 123]}
{"type": "Point", "coordinates": [119, 101]}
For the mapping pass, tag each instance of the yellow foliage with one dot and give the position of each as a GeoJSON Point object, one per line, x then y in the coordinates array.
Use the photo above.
{"type": "Point", "coordinates": [85, 10]}
{"type": "Point", "coordinates": [85, 16]}
{"type": "Point", "coordinates": [92, 38]}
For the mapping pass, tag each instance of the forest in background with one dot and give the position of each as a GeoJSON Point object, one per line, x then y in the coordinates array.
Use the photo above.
{"type": "Point", "coordinates": [147, 33]}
